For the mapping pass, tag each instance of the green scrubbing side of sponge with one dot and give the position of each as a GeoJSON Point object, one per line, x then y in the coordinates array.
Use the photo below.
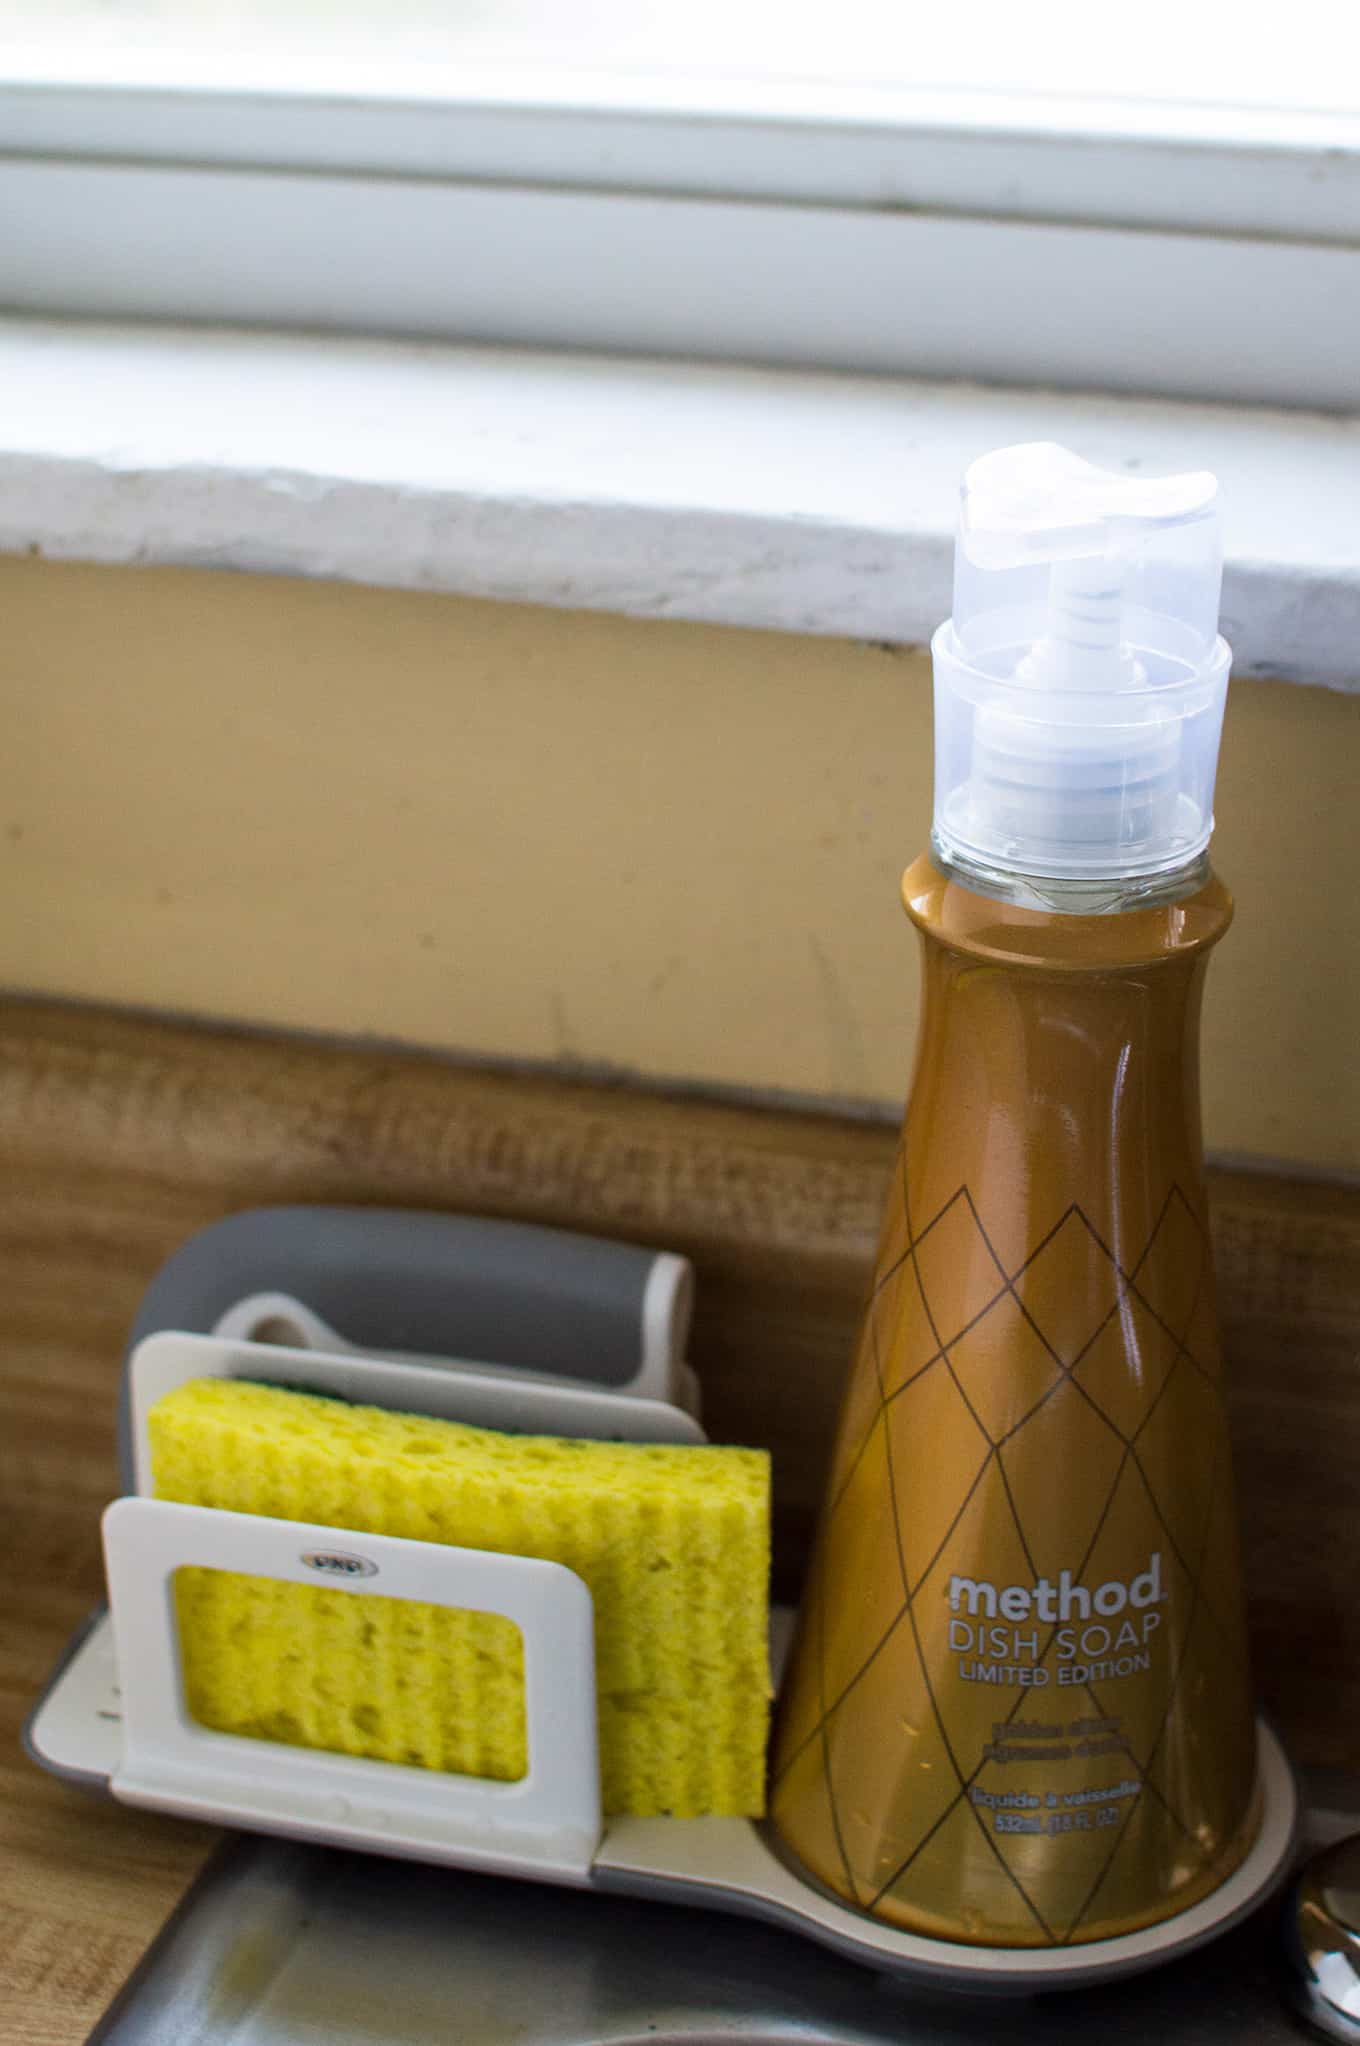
{"type": "Point", "coordinates": [672, 1542]}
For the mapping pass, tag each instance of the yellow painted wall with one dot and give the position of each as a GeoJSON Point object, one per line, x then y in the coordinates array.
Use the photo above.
{"type": "Point", "coordinates": [553, 836]}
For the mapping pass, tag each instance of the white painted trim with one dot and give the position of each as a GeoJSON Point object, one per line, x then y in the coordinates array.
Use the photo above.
{"type": "Point", "coordinates": [892, 290]}
{"type": "Point", "coordinates": [808, 502]}
{"type": "Point", "coordinates": [580, 188]}
{"type": "Point", "coordinates": [1189, 168]}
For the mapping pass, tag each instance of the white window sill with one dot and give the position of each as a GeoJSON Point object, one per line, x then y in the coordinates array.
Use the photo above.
{"type": "Point", "coordinates": [805, 502]}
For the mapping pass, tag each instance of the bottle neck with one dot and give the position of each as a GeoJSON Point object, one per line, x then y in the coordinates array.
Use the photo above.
{"type": "Point", "coordinates": [1057, 1063]}
{"type": "Point", "coordinates": [996, 930]}
{"type": "Point", "coordinates": [1070, 897]}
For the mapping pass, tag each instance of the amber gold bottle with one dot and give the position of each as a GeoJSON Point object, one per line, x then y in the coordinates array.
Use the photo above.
{"type": "Point", "coordinates": [1019, 1709]}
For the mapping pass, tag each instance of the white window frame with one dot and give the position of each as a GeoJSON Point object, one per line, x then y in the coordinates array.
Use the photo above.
{"type": "Point", "coordinates": [1178, 252]}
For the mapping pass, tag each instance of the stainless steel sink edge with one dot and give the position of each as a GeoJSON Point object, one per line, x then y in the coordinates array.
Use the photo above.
{"type": "Point", "coordinates": [283, 1944]}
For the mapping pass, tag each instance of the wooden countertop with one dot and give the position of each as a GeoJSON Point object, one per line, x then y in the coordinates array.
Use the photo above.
{"type": "Point", "coordinates": [120, 1137]}
{"type": "Point", "coordinates": [84, 1883]}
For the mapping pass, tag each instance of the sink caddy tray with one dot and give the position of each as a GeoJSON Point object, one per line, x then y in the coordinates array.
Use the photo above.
{"type": "Point", "coordinates": [113, 1715]}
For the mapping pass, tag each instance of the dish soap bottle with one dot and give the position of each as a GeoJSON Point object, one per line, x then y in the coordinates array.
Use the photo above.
{"type": "Point", "coordinates": [1019, 1709]}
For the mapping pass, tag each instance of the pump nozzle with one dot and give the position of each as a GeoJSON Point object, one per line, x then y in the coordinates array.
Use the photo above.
{"type": "Point", "coordinates": [1040, 502]}
{"type": "Point", "coordinates": [1080, 681]}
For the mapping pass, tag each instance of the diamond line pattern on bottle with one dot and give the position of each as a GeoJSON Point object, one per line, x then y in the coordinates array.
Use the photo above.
{"type": "Point", "coordinates": [1131, 1286]}
{"type": "Point", "coordinates": [1196, 1606]}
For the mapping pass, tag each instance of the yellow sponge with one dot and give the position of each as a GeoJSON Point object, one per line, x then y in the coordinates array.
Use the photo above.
{"type": "Point", "coordinates": [673, 1543]}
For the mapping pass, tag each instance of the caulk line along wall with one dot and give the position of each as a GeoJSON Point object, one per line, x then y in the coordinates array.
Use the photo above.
{"type": "Point", "coordinates": [577, 839]}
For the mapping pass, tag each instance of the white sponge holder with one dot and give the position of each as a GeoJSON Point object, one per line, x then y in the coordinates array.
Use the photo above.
{"type": "Point", "coordinates": [549, 1821]}
{"type": "Point", "coordinates": [115, 1712]}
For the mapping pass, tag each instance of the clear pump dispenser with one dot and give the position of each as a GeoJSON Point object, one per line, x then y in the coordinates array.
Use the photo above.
{"type": "Point", "coordinates": [1080, 684]}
